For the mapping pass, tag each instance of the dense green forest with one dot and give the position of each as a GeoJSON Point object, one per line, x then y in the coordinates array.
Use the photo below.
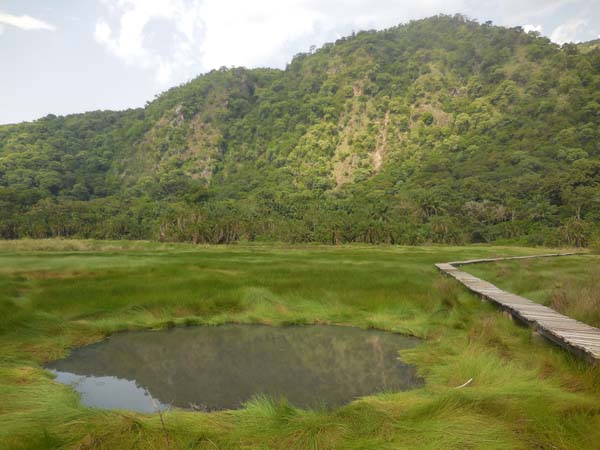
{"type": "Point", "coordinates": [441, 130]}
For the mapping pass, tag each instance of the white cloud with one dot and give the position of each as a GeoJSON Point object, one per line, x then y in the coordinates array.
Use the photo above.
{"type": "Point", "coordinates": [568, 31]}
{"type": "Point", "coordinates": [178, 39]}
{"type": "Point", "coordinates": [128, 39]}
{"type": "Point", "coordinates": [102, 32]}
{"type": "Point", "coordinates": [25, 22]}
{"type": "Point", "coordinates": [530, 27]}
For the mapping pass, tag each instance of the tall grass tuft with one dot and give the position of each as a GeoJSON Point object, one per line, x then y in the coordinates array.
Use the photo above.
{"type": "Point", "coordinates": [447, 291]}
{"type": "Point", "coordinates": [580, 300]}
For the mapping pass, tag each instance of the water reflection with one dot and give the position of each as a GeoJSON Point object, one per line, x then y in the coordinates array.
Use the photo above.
{"type": "Point", "coordinates": [110, 392]}
{"type": "Point", "coordinates": [213, 368]}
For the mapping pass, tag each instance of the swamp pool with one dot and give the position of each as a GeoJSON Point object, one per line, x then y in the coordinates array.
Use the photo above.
{"type": "Point", "coordinates": [220, 367]}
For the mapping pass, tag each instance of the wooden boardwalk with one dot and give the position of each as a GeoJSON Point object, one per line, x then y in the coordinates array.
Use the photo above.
{"type": "Point", "coordinates": [577, 337]}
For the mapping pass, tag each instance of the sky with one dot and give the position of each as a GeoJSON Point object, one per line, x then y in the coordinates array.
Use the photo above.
{"type": "Point", "coordinates": [70, 56]}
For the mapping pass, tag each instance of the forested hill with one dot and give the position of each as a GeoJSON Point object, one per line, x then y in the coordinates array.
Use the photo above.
{"type": "Point", "coordinates": [441, 130]}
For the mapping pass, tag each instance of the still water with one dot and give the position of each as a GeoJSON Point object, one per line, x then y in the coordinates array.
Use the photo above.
{"type": "Point", "coordinates": [212, 368]}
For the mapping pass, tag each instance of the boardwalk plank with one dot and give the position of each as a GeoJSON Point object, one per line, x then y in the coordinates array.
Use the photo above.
{"type": "Point", "coordinates": [577, 337]}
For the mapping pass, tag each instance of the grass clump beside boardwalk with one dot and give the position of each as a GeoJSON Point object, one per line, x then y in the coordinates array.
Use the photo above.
{"type": "Point", "coordinates": [55, 295]}
{"type": "Point", "coordinates": [569, 285]}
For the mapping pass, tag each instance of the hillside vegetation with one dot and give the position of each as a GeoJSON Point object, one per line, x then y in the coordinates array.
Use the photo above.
{"type": "Point", "coordinates": [440, 130]}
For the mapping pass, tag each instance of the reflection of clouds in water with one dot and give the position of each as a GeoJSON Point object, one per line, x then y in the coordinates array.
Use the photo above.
{"type": "Point", "coordinates": [110, 392]}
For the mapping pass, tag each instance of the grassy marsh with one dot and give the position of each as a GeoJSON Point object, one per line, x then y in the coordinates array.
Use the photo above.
{"type": "Point", "coordinates": [58, 294]}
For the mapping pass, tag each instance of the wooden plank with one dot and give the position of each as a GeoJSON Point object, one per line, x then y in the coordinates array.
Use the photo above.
{"type": "Point", "coordinates": [579, 338]}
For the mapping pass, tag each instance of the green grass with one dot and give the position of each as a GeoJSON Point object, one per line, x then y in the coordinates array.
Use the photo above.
{"type": "Point", "coordinates": [55, 295]}
{"type": "Point", "coordinates": [570, 284]}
